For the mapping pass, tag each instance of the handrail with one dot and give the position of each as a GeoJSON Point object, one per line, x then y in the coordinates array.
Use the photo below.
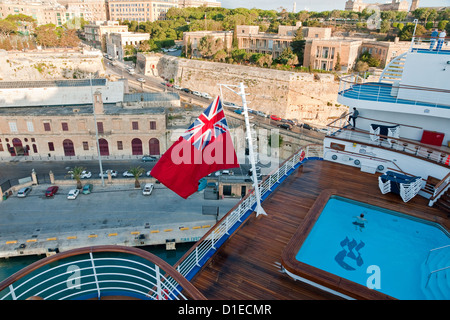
{"type": "Point", "coordinates": [435, 249]}
{"type": "Point", "coordinates": [432, 272]}
{"type": "Point", "coordinates": [441, 186]}
{"type": "Point", "coordinates": [198, 254]}
{"type": "Point", "coordinates": [417, 146]}
{"type": "Point", "coordinates": [161, 289]}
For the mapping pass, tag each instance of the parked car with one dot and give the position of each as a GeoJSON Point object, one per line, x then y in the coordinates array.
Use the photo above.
{"type": "Point", "coordinates": [51, 191]}
{"type": "Point", "coordinates": [87, 188]}
{"type": "Point", "coordinates": [129, 174]}
{"type": "Point", "coordinates": [169, 84]}
{"type": "Point", "coordinates": [148, 158]}
{"type": "Point", "coordinates": [73, 194]}
{"type": "Point", "coordinates": [23, 192]}
{"type": "Point", "coordinates": [175, 86]}
{"type": "Point", "coordinates": [141, 80]}
{"type": "Point", "coordinates": [131, 72]}
{"type": "Point", "coordinates": [229, 104]}
{"type": "Point", "coordinates": [260, 113]}
{"type": "Point", "coordinates": [84, 175]}
{"type": "Point", "coordinates": [238, 111]}
{"type": "Point", "coordinates": [148, 188]}
{"type": "Point", "coordinates": [307, 126]}
{"type": "Point", "coordinates": [285, 126]}
{"type": "Point", "coordinates": [274, 117]}
{"type": "Point", "coordinates": [187, 90]}
{"type": "Point", "coordinates": [206, 95]}
{"type": "Point", "coordinates": [196, 93]}
{"type": "Point", "coordinates": [148, 174]}
{"type": "Point", "coordinates": [105, 173]}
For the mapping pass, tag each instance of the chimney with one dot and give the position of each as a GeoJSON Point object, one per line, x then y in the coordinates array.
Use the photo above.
{"type": "Point", "coordinates": [98, 103]}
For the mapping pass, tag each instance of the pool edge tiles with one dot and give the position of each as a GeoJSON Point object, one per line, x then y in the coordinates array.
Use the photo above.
{"type": "Point", "coordinates": [351, 252]}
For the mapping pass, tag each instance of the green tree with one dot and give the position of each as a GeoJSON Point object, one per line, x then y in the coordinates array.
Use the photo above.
{"type": "Point", "coordinates": [136, 172]}
{"type": "Point", "coordinates": [76, 174]}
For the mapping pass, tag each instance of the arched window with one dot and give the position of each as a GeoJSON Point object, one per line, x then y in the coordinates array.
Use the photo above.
{"type": "Point", "coordinates": [153, 146]}
{"type": "Point", "coordinates": [104, 148]}
{"type": "Point", "coordinates": [68, 147]}
{"type": "Point", "coordinates": [136, 147]}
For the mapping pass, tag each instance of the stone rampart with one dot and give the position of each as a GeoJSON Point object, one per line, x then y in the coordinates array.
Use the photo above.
{"type": "Point", "coordinates": [293, 95]}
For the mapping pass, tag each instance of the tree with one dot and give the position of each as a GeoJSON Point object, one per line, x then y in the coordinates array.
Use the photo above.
{"type": "Point", "coordinates": [337, 66]}
{"type": "Point", "coordinates": [136, 172]}
{"type": "Point", "coordinates": [76, 174]}
{"type": "Point", "coordinates": [46, 35]}
{"type": "Point", "coordinates": [7, 27]}
{"type": "Point", "coordinates": [68, 38]}
{"type": "Point", "coordinates": [361, 66]}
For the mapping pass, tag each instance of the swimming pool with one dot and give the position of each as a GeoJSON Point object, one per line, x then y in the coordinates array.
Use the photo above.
{"type": "Point", "coordinates": [388, 254]}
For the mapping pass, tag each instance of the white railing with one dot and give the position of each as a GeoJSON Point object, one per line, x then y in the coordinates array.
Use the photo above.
{"type": "Point", "coordinates": [387, 93]}
{"type": "Point", "coordinates": [201, 252]}
{"type": "Point", "coordinates": [440, 189]}
{"type": "Point", "coordinates": [136, 273]}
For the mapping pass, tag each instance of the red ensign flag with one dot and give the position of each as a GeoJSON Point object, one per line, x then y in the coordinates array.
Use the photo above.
{"type": "Point", "coordinates": [204, 148]}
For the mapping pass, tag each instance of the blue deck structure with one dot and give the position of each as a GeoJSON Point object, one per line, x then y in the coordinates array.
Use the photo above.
{"type": "Point", "coordinates": [381, 92]}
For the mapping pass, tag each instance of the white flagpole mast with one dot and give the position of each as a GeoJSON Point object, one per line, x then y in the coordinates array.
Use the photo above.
{"type": "Point", "coordinates": [259, 209]}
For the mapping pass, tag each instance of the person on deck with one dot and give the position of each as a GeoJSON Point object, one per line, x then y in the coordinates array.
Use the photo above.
{"type": "Point", "coordinates": [434, 36]}
{"type": "Point", "coordinates": [353, 117]}
{"type": "Point", "coordinates": [441, 40]}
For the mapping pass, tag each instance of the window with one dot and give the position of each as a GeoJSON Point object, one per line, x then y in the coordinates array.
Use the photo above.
{"type": "Point", "coordinates": [152, 125]}
{"type": "Point", "coordinates": [85, 145]}
{"type": "Point", "coordinates": [65, 126]}
{"type": "Point", "coordinates": [30, 126]}
{"type": "Point", "coordinates": [119, 145]}
{"type": "Point", "coordinates": [100, 127]}
{"type": "Point", "coordinates": [135, 125]}
{"type": "Point", "coordinates": [1, 147]}
{"type": "Point", "coordinates": [46, 126]}
{"type": "Point", "coordinates": [13, 126]}
{"type": "Point", "coordinates": [51, 146]}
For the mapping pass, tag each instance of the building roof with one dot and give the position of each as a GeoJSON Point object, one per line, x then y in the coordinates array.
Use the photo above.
{"type": "Point", "coordinates": [51, 83]}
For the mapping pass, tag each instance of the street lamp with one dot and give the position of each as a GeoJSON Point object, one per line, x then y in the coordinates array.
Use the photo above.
{"type": "Point", "coordinates": [96, 134]}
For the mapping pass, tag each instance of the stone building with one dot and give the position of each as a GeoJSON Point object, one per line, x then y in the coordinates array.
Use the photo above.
{"type": "Point", "coordinates": [63, 119]}
{"type": "Point", "coordinates": [116, 43]}
{"type": "Point", "coordinates": [359, 5]}
{"type": "Point", "coordinates": [323, 54]}
{"type": "Point", "coordinates": [96, 33]}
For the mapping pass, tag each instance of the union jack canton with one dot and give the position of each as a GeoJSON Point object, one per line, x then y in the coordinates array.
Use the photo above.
{"type": "Point", "coordinates": [210, 124]}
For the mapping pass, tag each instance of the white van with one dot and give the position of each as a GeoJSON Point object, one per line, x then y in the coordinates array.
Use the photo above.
{"type": "Point", "coordinates": [148, 188]}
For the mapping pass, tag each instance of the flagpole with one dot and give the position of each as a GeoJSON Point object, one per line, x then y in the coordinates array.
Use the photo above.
{"type": "Point", "coordinates": [259, 209]}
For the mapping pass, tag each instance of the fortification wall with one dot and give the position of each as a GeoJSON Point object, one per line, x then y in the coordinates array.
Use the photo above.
{"type": "Point", "coordinates": [50, 65]}
{"type": "Point", "coordinates": [292, 95]}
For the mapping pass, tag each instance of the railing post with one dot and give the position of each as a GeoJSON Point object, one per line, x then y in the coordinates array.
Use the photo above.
{"type": "Point", "coordinates": [95, 275]}
{"type": "Point", "coordinates": [158, 282]}
{"type": "Point", "coordinates": [13, 293]}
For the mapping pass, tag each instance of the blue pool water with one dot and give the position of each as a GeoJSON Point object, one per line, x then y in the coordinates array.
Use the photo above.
{"type": "Point", "coordinates": [397, 245]}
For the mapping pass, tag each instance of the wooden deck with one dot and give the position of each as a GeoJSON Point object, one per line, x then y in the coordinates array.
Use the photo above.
{"type": "Point", "coordinates": [247, 266]}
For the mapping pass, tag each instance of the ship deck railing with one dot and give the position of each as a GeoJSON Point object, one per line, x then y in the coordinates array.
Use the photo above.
{"type": "Point", "coordinates": [192, 262]}
{"type": "Point", "coordinates": [97, 272]}
{"type": "Point", "coordinates": [430, 45]}
{"type": "Point", "coordinates": [352, 87]}
{"type": "Point", "coordinates": [341, 129]}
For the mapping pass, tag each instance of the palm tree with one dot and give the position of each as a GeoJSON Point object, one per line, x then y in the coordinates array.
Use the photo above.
{"type": "Point", "coordinates": [76, 174]}
{"type": "Point", "coordinates": [136, 172]}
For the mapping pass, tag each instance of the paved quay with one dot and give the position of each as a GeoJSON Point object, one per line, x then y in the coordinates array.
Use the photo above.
{"type": "Point", "coordinates": [111, 214]}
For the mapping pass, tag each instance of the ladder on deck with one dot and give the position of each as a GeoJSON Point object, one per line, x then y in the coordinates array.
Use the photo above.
{"type": "Point", "coordinates": [392, 73]}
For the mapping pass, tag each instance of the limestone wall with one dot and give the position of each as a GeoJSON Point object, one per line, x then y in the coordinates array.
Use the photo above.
{"type": "Point", "coordinates": [49, 65]}
{"type": "Point", "coordinates": [303, 96]}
